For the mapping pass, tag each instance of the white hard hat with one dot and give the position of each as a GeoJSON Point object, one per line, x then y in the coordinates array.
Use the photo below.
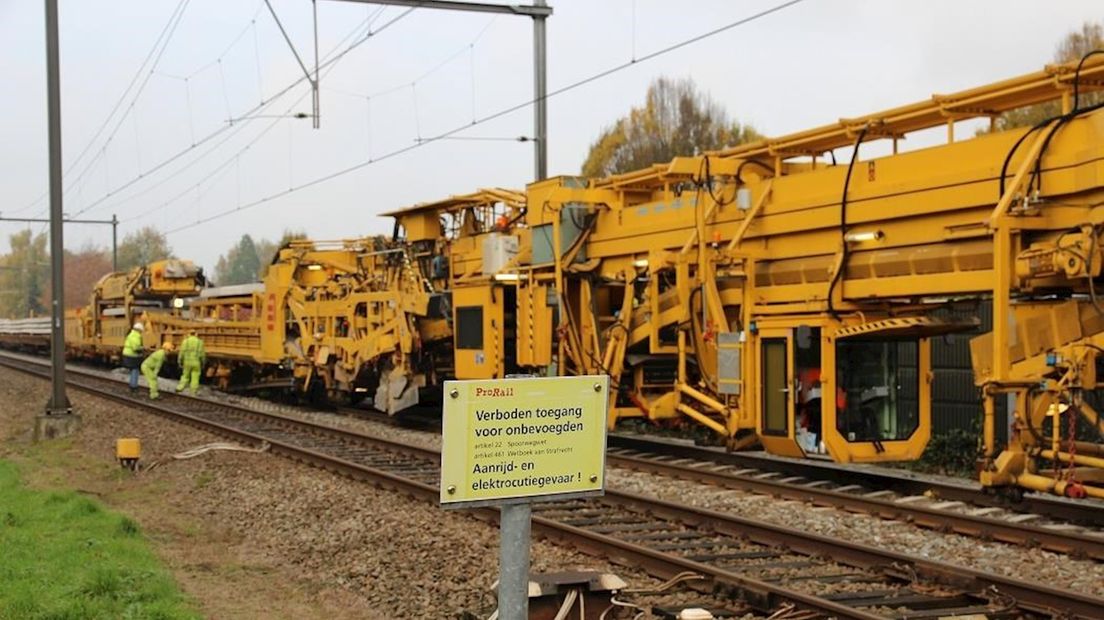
{"type": "Point", "coordinates": [139, 326]}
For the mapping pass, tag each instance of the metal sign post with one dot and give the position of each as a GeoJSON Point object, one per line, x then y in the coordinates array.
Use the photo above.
{"type": "Point", "coordinates": [505, 442]}
{"type": "Point", "coordinates": [515, 527]}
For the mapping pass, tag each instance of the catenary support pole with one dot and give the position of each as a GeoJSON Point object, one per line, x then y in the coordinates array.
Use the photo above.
{"type": "Point", "coordinates": [113, 223]}
{"type": "Point", "coordinates": [59, 401]}
{"type": "Point", "coordinates": [539, 12]}
{"type": "Point", "coordinates": [513, 572]}
{"type": "Point", "coordinates": [114, 243]}
{"type": "Point", "coordinates": [540, 94]}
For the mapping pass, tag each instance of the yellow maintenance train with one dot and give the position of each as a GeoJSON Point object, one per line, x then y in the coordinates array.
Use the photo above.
{"type": "Point", "coordinates": [762, 291]}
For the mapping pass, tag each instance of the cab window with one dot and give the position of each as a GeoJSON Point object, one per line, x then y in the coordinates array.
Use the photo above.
{"type": "Point", "coordinates": [880, 385]}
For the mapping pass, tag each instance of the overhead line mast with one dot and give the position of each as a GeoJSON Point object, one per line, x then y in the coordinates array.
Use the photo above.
{"type": "Point", "coordinates": [58, 418]}
{"type": "Point", "coordinates": [539, 12]}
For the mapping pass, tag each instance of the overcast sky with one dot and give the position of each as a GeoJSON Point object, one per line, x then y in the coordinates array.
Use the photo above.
{"type": "Point", "coordinates": [426, 73]}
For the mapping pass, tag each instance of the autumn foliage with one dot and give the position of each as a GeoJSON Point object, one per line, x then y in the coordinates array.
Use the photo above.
{"type": "Point", "coordinates": [675, 120]}
{"type": "Point", "coordinates": [25, 270]}
{"type": "Point", "coordinates": [1075, 45]}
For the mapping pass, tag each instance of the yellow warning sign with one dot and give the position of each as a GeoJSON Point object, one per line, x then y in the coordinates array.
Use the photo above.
{"type": "Point", "coordinates": [515, 438]}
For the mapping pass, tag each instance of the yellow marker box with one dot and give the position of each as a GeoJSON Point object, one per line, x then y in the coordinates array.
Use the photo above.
{"type": "Point", "coordinates": [128, 448]}
{"type": "Point", "coordinates": [505, 440]}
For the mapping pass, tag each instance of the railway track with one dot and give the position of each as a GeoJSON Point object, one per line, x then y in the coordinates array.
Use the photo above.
{"type": "Point", "coordinates": [766, 565]}
{"type": "Point", "coordinates": [1075, 528]}
{"type": "Point", "coordinates": [1067, 527]}
{"type": "Point", "coordinates": [929, 508]}
{"type": "Point", "coordinates": [1085, 512]}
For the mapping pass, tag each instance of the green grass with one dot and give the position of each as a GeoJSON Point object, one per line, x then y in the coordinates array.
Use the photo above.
{"type": "Point", "coordinates": [65, 556]}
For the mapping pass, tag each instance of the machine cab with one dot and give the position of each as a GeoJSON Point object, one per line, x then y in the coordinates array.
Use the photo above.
{"type": "Point", "coordinates": [859, 393]}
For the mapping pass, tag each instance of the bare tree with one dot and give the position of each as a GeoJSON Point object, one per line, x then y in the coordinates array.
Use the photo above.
{"type": "Point", "coordinates": [143, 247]}
{"type": "Point", "coordinates": [676, 119]}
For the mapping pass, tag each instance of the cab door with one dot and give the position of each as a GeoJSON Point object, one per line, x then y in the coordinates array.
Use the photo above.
{"type": "Point", "coordinates": [776, 392]}
{"type": "Point", "coordinates": [478, 332]}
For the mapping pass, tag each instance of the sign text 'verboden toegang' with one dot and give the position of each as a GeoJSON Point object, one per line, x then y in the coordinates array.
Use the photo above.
{"type": "Point", "coordinates": [515, 438]}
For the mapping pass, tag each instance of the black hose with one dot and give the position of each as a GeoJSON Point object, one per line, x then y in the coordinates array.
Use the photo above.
{"type": "Point", "coordinates": [1077, 78]}
{"type": "Point", "coordinates": [843, 221]}
{"type": "Point", "coordinates": [517, 218]}
{"type": "Point", "coordinates": [707, 182]}
{"type": "Point", "coordinates": [740, 169]}
{"type": "Point", "coordinates": [1062, 120]}
{"type": "Point", "coordinates": [1012, 151]}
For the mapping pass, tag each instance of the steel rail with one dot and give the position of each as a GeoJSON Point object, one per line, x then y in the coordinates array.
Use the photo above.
{"type": "Point", "coordinates": [1035, 597]}
{"type": "Point", "coordinates": [1085, 512]}
{"type": "Point", "coordinates": [1075, 544]}
{"type": "Point", "coordinates": [299, 453]}
{"type": "Point", "coordinates": [988, 528]}
{"type": "Point", "coordinates": [760, 594]}
{"type": "Point", "coordinates": [1031, 595]}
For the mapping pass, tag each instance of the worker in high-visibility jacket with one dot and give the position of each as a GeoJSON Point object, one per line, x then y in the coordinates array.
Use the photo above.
{"type": "Point", "coordinates": [191, 358]}
{"type": "Point", "coordinates": [152, 367]}
{"type": "Point", "coordinates": [132, 354]}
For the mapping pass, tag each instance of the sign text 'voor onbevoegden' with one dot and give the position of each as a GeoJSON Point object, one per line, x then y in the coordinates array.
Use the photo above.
{"type": "Point", "coordinates": [513, 438]}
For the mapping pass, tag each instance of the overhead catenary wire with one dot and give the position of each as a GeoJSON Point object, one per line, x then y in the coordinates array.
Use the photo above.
{"type": "Point", "coordinates": [215, 174]}
{"type": "Point", "coordinates": [235, 158]}
{"type": "Point", "coordinates": [134, 100]}
{"type": "Point", "coordinates": [441, 64]}
{"type": "Point", "coordinates": [483, 138]}
{"type": "Point", "coordinates": [469, 49]}
{"type": "Point", "coordinates": [247, 115]}
{"type": "Point", "coordinates": [225, 51]}
{"type": "Point", "coordinates": [166, 31]}
{"type": "Point", "coordinates": [197, 187]}
{"type": "Point", "coordinates": [495, 115]}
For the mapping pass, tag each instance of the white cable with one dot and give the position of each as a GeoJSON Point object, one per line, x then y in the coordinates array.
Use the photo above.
{"type": "Point", "coordinates": [198, 450]}
{"type": "Point", "coordinates": [568, 603]}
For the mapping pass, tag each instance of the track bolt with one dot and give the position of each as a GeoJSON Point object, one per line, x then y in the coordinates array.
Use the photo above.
{"type": "Point", "coordinates": [597, 387]}
{"type": "Point", "coordinates": [454, 393]}
{"type": "Point", "coordinates": [594, 477]}
{"type": "Point", "coordinates": [451, 489]}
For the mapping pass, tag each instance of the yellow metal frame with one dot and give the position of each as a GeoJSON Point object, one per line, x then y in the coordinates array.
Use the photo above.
{"type": "Point", "coordinates": [650, 267]}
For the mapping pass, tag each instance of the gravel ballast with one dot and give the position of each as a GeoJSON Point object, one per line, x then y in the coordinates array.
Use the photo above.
{"type": "Point", "coordinates": [999, 558]}
{"type": "Point", "coordinates": [1003, 559]}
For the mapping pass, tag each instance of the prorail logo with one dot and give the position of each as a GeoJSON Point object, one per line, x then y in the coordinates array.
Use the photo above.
{"type": "Point", "coordinates": [494, 392]}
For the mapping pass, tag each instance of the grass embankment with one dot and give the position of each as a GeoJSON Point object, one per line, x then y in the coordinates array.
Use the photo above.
{"type": "Point", "coordinates": [63, 555]}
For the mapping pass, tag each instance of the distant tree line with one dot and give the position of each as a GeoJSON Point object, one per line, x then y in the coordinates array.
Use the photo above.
{"type": "Point", "coordinates": [25, 269]}
{"type": "Point", "coordinates": [248, 260]}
